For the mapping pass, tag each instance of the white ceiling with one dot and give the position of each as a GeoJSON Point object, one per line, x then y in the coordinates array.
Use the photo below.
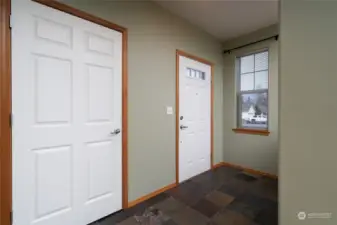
{"type": "Point", "coordinates": [225, 19]}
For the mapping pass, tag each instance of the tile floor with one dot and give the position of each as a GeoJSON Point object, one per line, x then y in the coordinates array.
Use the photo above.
{"type": "Point", "coordinates": [224, 196]}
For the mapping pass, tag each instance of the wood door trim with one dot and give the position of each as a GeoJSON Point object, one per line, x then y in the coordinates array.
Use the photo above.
{"type": "Point", "coordinates": [5, 101]}
{"type": "Point", "coordinates": [5, 105]}
{"type": "Point", "coordinates": [196, 58]}
{"type": "Point", "coordinates": [151, 195]}
{"type": "Point", "coordinates": [246, 169]}
{"type": "Point", "coordinates": [81, 14]}
{"type": "Point", "coordinates": [125, 157]}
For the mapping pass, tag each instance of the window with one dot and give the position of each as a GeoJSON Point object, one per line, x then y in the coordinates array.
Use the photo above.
{"type": "Point", "coordinates": [252, 91]}
{"type": "Point", "coordinates": [196, 74]}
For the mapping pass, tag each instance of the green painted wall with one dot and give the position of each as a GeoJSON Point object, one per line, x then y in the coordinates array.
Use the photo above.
{"type": "Point", "coordinates": [308, 111]}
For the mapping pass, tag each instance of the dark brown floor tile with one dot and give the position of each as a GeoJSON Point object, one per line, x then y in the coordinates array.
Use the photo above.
{"type": "Point", "coordinates": [257, 176]}
{"type": "Point", "coordinates": [267, 217]}
{"type": "Point", "coordinates": [227, 171]}
{"type": "Point", "coordinates": [241, 183]}
{"type": "Point", "coordinates": [189, 216]}
{"type": "Point", "coordinates": [157, 199]}
{"type": "Point", "coordinates": [231, 218]}
{"type": "Point", "coordinates": [243, 209]}
{"type": "Point", "coordinates": [188, 193]}
{"type": "Point", "coordinates": [209, 179]}
{"type": "Point", "coordinates": [233, 189]}
{"type": "Point", "coordinates": [170, 222]}
{"type": "Point", "coordinates": [207, 187]}
{"type": "Point", "coordinates": [137, 209]}
{"type": "Point", "coordinates": [270, 181]}
{"type": "Point", "coordinates": [266, 187]}
{"type": "Point", "coordinates": [206, 207]}
{"type": "Point", "coordinates": [227, 189]}
{"type": "Point", "coordinates": [254, 223]}
{"type": "Point", "coordinates": [258, 202]}
{"type": "Point", "coordinates": [129, 221]}
{"type": "Point", "coordinates": [204, 177]}
{"type": "Point", "coordinates": [114, 218]}
{"type": "Point", "coordinates": [170, 206]}
{"type": "Point", "coordinates": [219, 198]}
{"type": "Point", "coordinates": [184, 186]}
{"type": "Point", "coordinates": [245, 177]}
{"type": "Point", "coordinates": [264, 192]}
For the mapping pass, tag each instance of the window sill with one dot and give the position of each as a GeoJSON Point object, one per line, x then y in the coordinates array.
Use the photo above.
{"type": "Point", "coordinates": [251, 131]}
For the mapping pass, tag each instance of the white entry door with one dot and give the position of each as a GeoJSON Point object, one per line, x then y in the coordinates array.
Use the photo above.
{"type": "Point", "coordinates": [67, 153]}
{"type": "Point", "coordinates": [194, 117]}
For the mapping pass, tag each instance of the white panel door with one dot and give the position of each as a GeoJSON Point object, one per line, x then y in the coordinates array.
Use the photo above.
{"type": "Point", "coordinates": [66, 84]}
{"type": "Point", "coordinates": [194, 118]}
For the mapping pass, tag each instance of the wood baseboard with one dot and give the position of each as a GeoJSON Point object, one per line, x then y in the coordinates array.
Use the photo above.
{"type": "Point", "coordinates": [249, 170]}
{"type": "Point", "coordinates": [148, 196]}
{"type": "Point", "coordinates": [220, 164]}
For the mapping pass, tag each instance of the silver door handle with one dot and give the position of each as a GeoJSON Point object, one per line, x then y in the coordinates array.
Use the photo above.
{"type": "Point", "coordinates": [115, 132]}
{"type": "Point", "coordinates": [183, 127]}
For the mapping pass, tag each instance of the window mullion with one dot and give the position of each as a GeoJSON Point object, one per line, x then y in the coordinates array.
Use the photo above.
{"type": "Point", "coordinates": [254, 73]}
{"type": "Point", "coordinates": [253, 91]}
{"type": "Point", "coordinates": [239, 77]}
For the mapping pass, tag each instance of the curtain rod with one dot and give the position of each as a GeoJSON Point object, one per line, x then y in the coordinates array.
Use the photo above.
{"type": "Point", "coordinates": [255, 42]}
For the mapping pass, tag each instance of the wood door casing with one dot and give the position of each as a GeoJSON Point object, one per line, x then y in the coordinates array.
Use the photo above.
{"type": "Point", "coordinates": [5, 102]}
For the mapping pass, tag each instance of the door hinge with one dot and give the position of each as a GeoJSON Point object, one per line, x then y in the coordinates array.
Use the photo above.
{"type": "Point", "coordinates": [11, 217]}
{"type": "Point", "coordinates": [10, 120]}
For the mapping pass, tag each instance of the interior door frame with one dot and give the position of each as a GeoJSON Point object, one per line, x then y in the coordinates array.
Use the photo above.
{"type": "Point", "coordinates": [6, 100]}
{"type": "Point", "coordinates": [196, 58]}
{"type": "Point", "coordinates": [5, 106]}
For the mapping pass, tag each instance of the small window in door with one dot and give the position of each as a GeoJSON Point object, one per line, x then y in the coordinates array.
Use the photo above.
{"type": "Point", "coordinates": [195, 74]}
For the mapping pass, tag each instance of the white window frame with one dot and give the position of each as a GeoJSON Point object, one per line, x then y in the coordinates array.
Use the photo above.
{"type": "Point", "coordinates": [239, 93]}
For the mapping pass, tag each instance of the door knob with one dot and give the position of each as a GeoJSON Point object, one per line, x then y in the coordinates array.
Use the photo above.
{"type": "Point", "coordinates": [183, 127]}
{"type": "Point", "coordinates": [115, 132]}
